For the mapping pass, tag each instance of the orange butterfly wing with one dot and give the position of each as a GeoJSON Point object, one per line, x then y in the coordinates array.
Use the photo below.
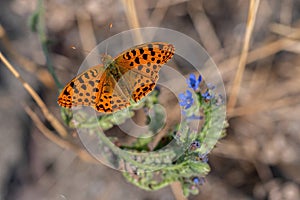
{"type": "Point", "coordinates": [112, 96]}
{"type": "Point", "coordinates": [140, 66]}
{"type": "Point", "coordinates": [94, 87]}
{"type": "Point", "coordinates": [83, 90]}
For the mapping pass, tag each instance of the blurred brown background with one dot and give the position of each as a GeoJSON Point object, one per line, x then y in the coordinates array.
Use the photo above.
{"type": "Point", "coordinates": [259, 157]}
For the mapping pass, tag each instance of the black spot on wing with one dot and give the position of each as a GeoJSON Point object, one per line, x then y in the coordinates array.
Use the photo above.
{"type": "Point", "coordinates": [141, 50]}
{"type": "Point", "coordinates": [137, 60]}
{"type": "Point", "coordinates": [80, 79]}
{"type": "Point", "coordinates": [83, 87]}
{"type": "Point", "coordinates": [145, 56]}
{"type": "Point", "coordinates": [92, 83]}
{"type": "Point", "coordinates": [133, 52]}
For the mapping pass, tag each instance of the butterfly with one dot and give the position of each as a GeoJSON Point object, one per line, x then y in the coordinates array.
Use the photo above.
{"type": "Point", "coordinates": [109, 87]}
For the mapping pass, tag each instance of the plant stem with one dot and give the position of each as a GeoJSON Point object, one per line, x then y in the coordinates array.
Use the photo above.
{"type": "Point", "coordinates": [41, 29]}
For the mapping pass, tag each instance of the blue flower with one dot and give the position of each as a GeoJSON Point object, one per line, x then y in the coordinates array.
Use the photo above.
{"type": "Point", "coordinates": [193, 82]}
{"type": "Point", "coordinates": [206, 95]}
{"type": "Point", "coordinates": [198, 181]}
{"type": "Point", "coordinates": [186, 100]}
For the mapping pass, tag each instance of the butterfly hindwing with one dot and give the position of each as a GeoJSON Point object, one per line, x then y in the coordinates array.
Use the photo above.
{"type": "Point", "coordinates": [139, 85]}
{"type": "Point", "coordinates": [112, 96]}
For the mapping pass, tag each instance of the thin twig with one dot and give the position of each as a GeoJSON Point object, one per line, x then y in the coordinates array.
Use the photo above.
{"type": "Point", "coordinates": [54, 122]}
{"type": "Point", "coordinates": [41, 29]}
{"type": "Point", "coordinates": [243, 59]}
{"type": "Point", "coordinates": [284, 30]}
{"type": "Point", "coordinates": [84, 155]}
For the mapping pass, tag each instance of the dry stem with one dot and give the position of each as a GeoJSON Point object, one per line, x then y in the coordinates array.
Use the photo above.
{"type": "Point", "coordinates": [54, 122]}
{"type": "Point", "coordinates": [132, 19]}
{"type": "Point", "coordinates": [242, 63]}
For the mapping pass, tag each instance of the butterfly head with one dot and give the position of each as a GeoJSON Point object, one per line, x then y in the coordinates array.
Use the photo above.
{"type": "Point", "coordinates": [106, 59]}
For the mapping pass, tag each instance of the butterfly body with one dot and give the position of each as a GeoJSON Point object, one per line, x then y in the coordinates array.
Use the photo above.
{"type": "Point", "coordinates": [114, 71]}
{"type": "Point", "coordinates": [109, 87]}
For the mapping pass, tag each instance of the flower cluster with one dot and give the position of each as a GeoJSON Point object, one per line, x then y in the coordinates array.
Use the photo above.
{"type": "Point", "coordinates": [191, 102]}
{"type": "Point", "coordinates": [186, 100]}
{"type": "Point", "coordinates": [192, 163]}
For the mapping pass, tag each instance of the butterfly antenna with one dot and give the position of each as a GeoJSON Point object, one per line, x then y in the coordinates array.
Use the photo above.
{"type": "Point", "coordinates": [106, 47]}
{"type": "Point", "coordinates": [110, 26]}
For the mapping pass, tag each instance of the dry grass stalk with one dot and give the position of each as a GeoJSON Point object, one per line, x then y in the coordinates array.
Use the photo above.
{"type": "Point", "coordinates": [54, 122]}
{"type": "Point", "coordinates": [243, 59]}
{"type": "Point", "coordinates": [132, 19]}
{"type": "Point", "coordinates": [285, 30]}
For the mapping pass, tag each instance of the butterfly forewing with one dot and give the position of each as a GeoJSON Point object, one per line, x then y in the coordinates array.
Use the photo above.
{"type": "Point", "coordinates": [83, 90]}
{"type": "Point", "coordinates": [141, 65]}
{"type": "Point", "coordinates": [145, 56]}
